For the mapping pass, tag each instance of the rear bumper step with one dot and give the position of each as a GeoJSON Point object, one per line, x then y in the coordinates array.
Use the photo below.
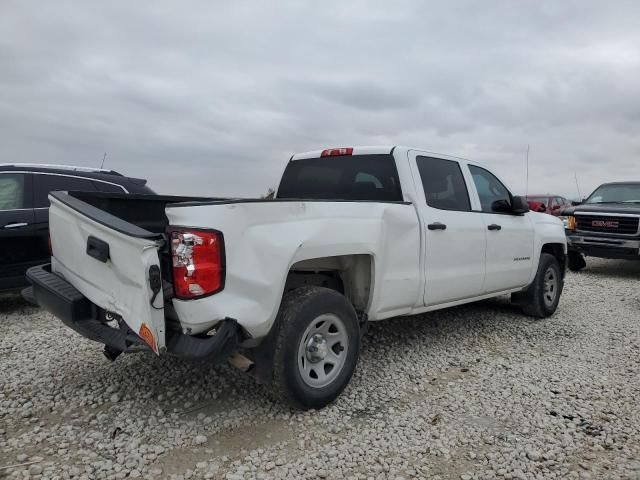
{"type": "Point", "coordinates": [55, 294]}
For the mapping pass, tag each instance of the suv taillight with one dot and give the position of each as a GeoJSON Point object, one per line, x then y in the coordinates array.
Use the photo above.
{"type": "Point", "coordinates": [197, 257]}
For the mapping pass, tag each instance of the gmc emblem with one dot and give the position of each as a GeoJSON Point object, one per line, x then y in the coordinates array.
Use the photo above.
{"type": "Point", "coordinates": [605, 223]}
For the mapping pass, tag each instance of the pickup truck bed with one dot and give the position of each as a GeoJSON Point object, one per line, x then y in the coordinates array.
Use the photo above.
{"type": "Point", "coordinates": [356, 231]}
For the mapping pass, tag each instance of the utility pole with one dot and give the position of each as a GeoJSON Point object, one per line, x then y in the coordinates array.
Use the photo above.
{"type": "Point", "coordinates": [526, 188]}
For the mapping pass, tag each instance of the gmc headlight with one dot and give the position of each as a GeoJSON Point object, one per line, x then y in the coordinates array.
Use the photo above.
{"type": "Point", "coordinates": [569, 222]}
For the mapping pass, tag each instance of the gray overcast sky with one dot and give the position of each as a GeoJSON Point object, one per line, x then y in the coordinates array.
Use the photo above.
{"type": "Point", "coordinates": [212, 98]}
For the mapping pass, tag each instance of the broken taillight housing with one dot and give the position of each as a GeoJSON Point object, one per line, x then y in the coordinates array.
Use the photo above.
{"type": "Point", "coordinates": [197, 258]}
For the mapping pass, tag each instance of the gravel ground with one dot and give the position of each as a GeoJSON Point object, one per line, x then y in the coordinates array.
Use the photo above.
{"type": "Point", "coordinates": [474, 392]}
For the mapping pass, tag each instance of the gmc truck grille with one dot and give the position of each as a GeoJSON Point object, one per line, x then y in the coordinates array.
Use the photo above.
{"type": "Point", "coordinates": [607, 224]}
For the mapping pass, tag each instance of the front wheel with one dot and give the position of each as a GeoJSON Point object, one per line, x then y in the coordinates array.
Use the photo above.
{"type": "Point", "coordinates": [317, 347]}
{"type": "Point", "coordinates": [541, 298]}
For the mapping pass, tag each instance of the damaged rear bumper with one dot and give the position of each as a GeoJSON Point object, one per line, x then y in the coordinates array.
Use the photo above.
{"type": "Point", "coordinates": [63, 300]}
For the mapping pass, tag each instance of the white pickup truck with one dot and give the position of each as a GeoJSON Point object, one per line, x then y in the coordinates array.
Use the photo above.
{"type": "Point", "coordinates": [353, 235]}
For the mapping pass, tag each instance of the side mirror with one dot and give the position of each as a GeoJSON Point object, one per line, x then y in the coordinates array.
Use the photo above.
{"type": "Point", "coordinates": [520, 206]}
{"type": "Point", "coordinates": [501, 206]}
{"type": "Point", "coordinates": [575, 204]}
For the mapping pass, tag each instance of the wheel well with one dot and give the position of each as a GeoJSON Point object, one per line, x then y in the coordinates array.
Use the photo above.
{"type": "Point", "coordinates": [350, 275]}
{"type": "Point", "coordinates": [557, 250]}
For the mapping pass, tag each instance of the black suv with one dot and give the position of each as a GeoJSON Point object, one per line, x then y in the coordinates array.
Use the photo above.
{"type": "Point", "coordinates": [24, 210]}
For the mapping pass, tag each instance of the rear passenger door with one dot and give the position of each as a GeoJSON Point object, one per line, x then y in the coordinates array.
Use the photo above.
{"type": "Point", "coordinates": [453, 235]}
{"type": "Point", "coordinates": [16, 229]}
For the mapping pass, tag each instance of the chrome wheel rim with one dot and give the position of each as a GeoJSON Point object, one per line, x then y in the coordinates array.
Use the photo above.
{"type": "Point", "coordinates": [323, 350]}
{"type": "Point", "coordinates": [550, 287]}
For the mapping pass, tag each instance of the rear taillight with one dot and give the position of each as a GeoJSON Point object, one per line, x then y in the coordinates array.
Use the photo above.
{"type": "Point", "coordinates": [198, 262]}
{"type": "Point", "coordinates": [337, 152]}
{"type": "Point", "coordinates": [49, 246]}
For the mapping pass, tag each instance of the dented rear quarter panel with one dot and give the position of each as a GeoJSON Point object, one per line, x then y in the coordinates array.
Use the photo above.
{"type": "Point", "coordinates": [264, 239]}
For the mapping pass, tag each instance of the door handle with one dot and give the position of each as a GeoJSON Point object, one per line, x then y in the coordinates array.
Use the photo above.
{"type": "Point", "coordinates": [494, 226]}
{"type": "Point", "coordinates": [98, 249]}
{"type": "Point", "coordinates": [16, 225]}
{"type": "Point", "coordinates": [437, 226]}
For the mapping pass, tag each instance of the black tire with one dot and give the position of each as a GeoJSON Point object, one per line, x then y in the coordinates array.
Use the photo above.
{"type": "Point", "coordinates": [535, 301]}
{"type": "Point", "coordinates": [576, 261]}
{"type": "Point", "coordinates": [297, 313]}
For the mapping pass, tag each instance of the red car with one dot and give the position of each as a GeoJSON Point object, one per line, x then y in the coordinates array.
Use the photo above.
{"type": "Point", "coordinates": [547, 203]}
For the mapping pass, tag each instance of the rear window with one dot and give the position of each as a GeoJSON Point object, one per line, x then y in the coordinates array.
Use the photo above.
{"type": "Point", "coordinates": [349, 177]}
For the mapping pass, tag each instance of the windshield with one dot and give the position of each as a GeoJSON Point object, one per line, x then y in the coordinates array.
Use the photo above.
{"type": "Point", "coordinates": [619, 193]}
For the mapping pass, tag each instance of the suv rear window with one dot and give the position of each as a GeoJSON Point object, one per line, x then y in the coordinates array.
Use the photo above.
{"type": "Point", "coordinates": [349, 177]}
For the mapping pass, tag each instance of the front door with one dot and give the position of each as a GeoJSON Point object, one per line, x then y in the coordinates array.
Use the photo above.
{"type": "Point", "coordinates": [454, 236]}
{"type": "Point", "coordinates": [16, 229]}
{"type": "Point", "coordinates": [509, 259]}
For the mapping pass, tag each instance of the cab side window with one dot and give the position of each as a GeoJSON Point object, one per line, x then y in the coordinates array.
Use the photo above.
{"type": "Point", "coordinates": [12, 189]}
{"type": "Point", "coordinates": [490, 189]}
{"type": "Point", "coordinates": [443, 184]}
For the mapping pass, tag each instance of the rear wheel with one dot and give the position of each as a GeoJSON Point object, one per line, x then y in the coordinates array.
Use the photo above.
{"type": "Point", "coordinates": [317, 347]}
{"type": "Point", "coordinates": [543, 295]}
{"type": "Point", "coordinates": [576, 261]}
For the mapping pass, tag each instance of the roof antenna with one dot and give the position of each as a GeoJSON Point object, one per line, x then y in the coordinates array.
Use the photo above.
{"type": "Point", "coordinates": [526, 188]}
{"type": "Point", "coordinates": [104, 157]}
{"type": "Point", "coordinates": [575, 175]}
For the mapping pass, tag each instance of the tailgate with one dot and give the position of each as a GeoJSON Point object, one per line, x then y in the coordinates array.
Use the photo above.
{"type": "Point", "coordinates": [115, 264]}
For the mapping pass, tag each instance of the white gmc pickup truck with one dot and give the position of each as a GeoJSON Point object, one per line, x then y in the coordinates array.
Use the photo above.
{"type": "Point", "coordinates": [288, 284]}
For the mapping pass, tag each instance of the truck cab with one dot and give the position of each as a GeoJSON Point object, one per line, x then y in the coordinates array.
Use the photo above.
{"type": "Point", "coordinates": [474, 237]}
